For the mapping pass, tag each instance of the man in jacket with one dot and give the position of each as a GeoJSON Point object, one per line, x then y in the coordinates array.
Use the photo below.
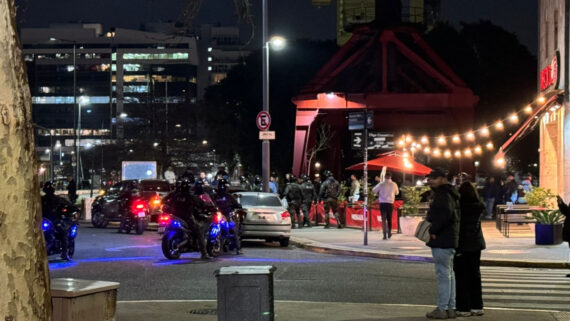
{"type": "Point", "coordinates": [330, 190]}
{"type": "Point", "coordinates": [309, 197]}
{"type": "Point", "coordinates": [294, 197]}
{"type": "Point", "coordinates": [491, 193]}
{"type": "Point", "coordinates": [387, 191]}
{"type": "Point", "coordinates": [444, 215]}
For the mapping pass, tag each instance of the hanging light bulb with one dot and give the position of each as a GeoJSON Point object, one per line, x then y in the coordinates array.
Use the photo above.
{"type": "Point", "coordinates": [408, 139]}
{"type": "Point", "coordinates": [424, 140]}
{"type": "Point", "coordinates": [457, 154]}
{"type": "Point", "coordinates": [436, 152]}
{"type": "Point", "coordinates": [528, 109]}
{"type": "Point", "coordinates": [441, 140]}
{"type": "Point", "coordinates": [478, 149]}
{"type": "Point", "coordinates": [406, 155]}
{"type": "Point", "coordinates": [500, 162]}
{"type": "Point", "coordinates": [447, 154]}
{"type": "Point", "coordinates": [541, 99]}
{"type": "Point", "coordinates": [490, 145]}
{"type": "Point", "coordinates": [401, 142]}
{"type": "Point", "coordinates": [484, 131]}
{"type": "Point", "coordinates": [427, 150]}
{"type": "Point", "coordinates": [470, 136]}
{"type": "Point", "coordinates": [456, 139]}
{"type": "Point", "coordinates": [514, 118]}
{"type": "Point", "coordinates": [467, 152]}
{"type": "Point", "coordinates": [499, 125]}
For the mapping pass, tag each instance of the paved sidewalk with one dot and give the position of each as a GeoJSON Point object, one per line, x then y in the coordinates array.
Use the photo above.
{"type": "Point", "coordinates": [501, 251]}
{"type": "Point", "coordinates": [313, 311]}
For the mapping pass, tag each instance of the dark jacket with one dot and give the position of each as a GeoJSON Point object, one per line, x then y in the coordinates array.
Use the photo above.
{"type": "Point", "coordinates": [293, 193]}
{"type": "Point", "coordinates": [309, 194]}
{"type": "Point", "coordinates": [329, 189]}
{"type": "Point", "coordinates": [491, 191]}
{"type": "Point", "coordinates": [470, 234]}
{"type": "Point", "coordinates": [565, 209]}
{"type": "Point", "coordinates": [444, 215]}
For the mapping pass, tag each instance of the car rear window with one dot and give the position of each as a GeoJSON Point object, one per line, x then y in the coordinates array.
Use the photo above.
{"type": "Point", "coordinates": [259, 200]}
{"type": "Point", "coordinates": [156, 186]}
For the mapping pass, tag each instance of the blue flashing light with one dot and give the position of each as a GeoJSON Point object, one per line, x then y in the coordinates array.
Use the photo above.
{"type": "Point", "coordinates": [176, 224]}
{"type": "Point", "coordinates": [215, 230]}
{"type": "Point", "coordinates": [45, 225]}
{"type": "Point", "coordinates": [231, 224]}
{"type": "Point", "coordinates": [73, 231]}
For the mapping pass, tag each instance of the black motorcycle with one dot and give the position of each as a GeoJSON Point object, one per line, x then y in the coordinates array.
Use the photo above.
{"type": "Point", "coordinates": [231, 231]}
{"type": "Point", "coordinates": [53, 231]}
{"type": "Point", "coordinates": [136, 217]}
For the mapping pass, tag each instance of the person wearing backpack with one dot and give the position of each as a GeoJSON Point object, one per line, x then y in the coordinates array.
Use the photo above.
{"type": "Point", "coordinates": [330, 190]}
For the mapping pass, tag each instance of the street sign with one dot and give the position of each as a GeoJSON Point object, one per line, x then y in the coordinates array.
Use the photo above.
{"type": "Point", "coordinates": [376, 140]}
{"type": "Point", "coordinates": [356, 120]}
{"type": "Point", "coordinates": [267, 135]}
{"type": "Point", "coordinates": [263, 120]}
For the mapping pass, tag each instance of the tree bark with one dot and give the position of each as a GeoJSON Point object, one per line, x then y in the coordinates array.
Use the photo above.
{"type": "Point", "coordinates": [24, 280]}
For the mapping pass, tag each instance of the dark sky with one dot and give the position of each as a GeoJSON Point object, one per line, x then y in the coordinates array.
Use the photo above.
{"type": "Point", "coordinates": [291, 18]}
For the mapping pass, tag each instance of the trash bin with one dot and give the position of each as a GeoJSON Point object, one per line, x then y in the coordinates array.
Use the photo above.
{"type": "Point", "coordinates": [245, 293]}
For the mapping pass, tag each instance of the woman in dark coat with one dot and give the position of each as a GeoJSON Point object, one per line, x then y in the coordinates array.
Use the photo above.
{"type": "Point", "coordinates": [565, 210]}
{"type": "Point", "coordinates": [467, 261]}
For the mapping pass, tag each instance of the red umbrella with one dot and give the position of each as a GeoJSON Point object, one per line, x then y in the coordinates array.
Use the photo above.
{"type": "Point", "coordinates": [394, 162]}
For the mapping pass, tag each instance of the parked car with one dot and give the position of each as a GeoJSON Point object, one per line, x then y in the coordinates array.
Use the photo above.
{"type": "Point", "coordinates": [265, 218]}
{"type": "Point", "coordinates": [112, 203]}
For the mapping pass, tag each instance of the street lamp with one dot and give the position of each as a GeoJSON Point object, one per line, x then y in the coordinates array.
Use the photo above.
{"type": "Point", "coordinates": [276, 43]}
{"type": "Point", "coordinates": [58, 146]}
{"type": "Point", "coordinates": [82, 100]}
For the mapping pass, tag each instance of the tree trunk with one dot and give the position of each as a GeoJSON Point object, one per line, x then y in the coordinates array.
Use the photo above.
{"type": "Point", "coordinates": [24, 280]}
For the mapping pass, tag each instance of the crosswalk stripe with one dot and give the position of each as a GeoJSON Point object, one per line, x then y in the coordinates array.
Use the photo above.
{"type": "Point", "coordinates": [527, 298]}
{"type": "Point", "coordinates": [534, 291]}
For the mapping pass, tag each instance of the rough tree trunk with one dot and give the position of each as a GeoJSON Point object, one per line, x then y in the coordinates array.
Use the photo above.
{"type": "Point", "coordinates": [24, 281]}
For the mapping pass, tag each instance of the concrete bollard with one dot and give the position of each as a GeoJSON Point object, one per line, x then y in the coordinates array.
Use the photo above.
{"type": "Point", "coordinates": [245, 293]}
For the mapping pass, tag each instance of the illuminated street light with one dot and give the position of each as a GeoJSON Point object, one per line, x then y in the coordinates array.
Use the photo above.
{"type": "Point", "coordinates": [123, 115]}
{"type": "Point", "coordinates": [278, 42]}
{"type": "Point", "coordinates": [204, 142]}
{"type": "Point", "coordinates": [317, 165]}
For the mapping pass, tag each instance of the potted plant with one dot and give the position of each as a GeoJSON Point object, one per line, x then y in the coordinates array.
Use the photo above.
{"type": "Point", "coordinates": [410, 217]}
{"type": "Point", "coordinates": [548, 226]}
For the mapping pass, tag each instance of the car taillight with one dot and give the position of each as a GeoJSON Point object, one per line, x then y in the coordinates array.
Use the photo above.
{"type": "Point", "coordinates": [164, 219]}
{"type": "Point", "coordinates": [138, 206]}
{"type": "Point", "coordinates": [218, 217]}
{"type": "Point", "coordinates": [155, 201]}
{"type": "Point", "coordinates": [285, 215]}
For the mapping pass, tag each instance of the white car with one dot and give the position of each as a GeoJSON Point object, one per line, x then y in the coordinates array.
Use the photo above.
{"type": "Point", "coordinates": [266, 217]}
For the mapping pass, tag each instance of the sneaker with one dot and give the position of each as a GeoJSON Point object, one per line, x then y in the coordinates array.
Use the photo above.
{"type": "Point", "coordinates": [463, 313]}
{"type": "Point", "coordinates": [339, 226]}
{"type": "Point", "coordinates": [437, 314]}
{"type": "Point", "coordinates": [477, 313]}
{"type": "Point", "coordinates": [384, 238]}
{"type": "Point", "coordinates": [451, 314]}
{"type": "Point", "coordinates": [389, 235]}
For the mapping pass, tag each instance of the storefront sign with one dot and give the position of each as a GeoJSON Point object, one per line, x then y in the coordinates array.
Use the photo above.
{"type": "Point", "coordinates": [550, 75]}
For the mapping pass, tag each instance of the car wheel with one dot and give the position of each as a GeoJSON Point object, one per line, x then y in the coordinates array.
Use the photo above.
{"type": "Point", "coordinates": [98, 219]}
{"type": "Point", "coordinates": [284, 242]}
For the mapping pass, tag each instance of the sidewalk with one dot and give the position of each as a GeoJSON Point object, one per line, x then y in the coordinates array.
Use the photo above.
{"type": "Point", "coordinates": [501, 251]}
{"type": "Point", "coordinates": [312, 311]}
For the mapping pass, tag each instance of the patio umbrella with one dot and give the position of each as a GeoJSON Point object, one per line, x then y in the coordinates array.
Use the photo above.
{"type": "Point", "coordinates": [394, 162]}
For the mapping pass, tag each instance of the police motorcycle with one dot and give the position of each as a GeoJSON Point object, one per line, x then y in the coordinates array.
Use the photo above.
{"type": "Point", "coordinates": [69, 214]}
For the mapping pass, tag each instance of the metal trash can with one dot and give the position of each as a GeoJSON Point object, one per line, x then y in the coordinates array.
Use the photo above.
{"type": "Point", "coordinates": [245, 293]}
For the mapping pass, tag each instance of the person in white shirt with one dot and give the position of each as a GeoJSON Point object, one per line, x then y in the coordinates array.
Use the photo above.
{"type": "Point", "coordinates": [387, 191]}
{"type": "Point", "coordinates": [169, 175]}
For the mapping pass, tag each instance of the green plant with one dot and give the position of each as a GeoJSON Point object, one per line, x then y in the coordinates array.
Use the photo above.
{"type": "Point", "coordinates": [548, 217]}
{"type": "Point", "coordinates": [343, 190]}
{"type": "Point", "coordinates": [412, 198]}
{"type": "Point", "coordinates": [542, 197]}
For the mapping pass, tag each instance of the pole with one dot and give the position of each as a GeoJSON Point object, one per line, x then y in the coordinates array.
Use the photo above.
{"type": "Point", "coordinates": [166, 122]}
{"type": "Point", "coordinates": [76, 113]}
{"type": "Point", "coordinates": [265, 156]}
{"type": "Point", "coordinates": [50, 156]}
{"type": "Point", "coordinates": [78, 147]}
{"type": "Point", "coordinates": [365, 178]}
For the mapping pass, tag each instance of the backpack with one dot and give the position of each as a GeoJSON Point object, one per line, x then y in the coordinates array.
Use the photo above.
{"type": "Point", "coordinates": [332, 189]}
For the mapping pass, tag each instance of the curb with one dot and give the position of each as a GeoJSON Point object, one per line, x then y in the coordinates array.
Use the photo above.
{"type": "Point", "coordinates": [326, 249]}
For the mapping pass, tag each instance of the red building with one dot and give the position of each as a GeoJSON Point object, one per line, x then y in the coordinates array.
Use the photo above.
{"type": "Point", "coordinates": [391, 72]}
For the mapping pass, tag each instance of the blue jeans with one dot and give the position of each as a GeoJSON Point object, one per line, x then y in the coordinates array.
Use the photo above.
{"type": "Point", "coordinates": [489, 204]}
{"type": "Point", "coordinates": [443, 259]}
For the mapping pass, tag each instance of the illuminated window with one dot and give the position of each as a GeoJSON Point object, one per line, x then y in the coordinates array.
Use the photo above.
{"type": "Point", "coordinates": [135, 89]}
{"type": "Point", "coordinates": [68, 100]}
{"type": "Point", "coordinates": [132, 67]}
{"type": "Point", "coordinates": [143, 56]}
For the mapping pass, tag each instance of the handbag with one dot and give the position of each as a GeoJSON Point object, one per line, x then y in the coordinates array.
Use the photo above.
{"type": "Point", "coordinates": [422, 231]}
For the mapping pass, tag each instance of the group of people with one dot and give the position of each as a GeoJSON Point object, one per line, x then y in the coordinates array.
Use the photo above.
{"type": "Point", "coordinates": [505, 192]}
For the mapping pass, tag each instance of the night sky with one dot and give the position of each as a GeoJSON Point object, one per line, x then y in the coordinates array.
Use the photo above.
{"type": "Point", "coordinates": [291, 18]}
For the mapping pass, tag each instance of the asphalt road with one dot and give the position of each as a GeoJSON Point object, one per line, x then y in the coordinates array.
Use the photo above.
{"type": "Point", "coordinates": [136, 261]}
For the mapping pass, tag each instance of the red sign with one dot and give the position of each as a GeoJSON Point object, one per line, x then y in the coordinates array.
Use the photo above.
{"type": "Point", "coordinates": [550, 75]}
{"type": "Point", "coordinates": [263, 120]}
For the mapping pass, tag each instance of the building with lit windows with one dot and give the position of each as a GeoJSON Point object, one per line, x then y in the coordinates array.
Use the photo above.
{"type": "Point", "coordinates": [124, 83]}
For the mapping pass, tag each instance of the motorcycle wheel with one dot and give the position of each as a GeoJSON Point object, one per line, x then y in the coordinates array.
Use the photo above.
{"type": "Point", "coordinates": [214, 246]}
{"type": "Point", "coordinates": [140, 227]}
{"type": "Point", "coordinates": [98, 219]}
{"type": "Point", "coordinates": [71, 249]}
{"type": "Point", "coordinates": [170, 247]}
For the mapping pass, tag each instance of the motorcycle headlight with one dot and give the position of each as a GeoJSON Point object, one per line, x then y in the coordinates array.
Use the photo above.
{"type": "Point", "coordinates": [73, 231]}
{"type": "Point", "coordinates": [45, 225]}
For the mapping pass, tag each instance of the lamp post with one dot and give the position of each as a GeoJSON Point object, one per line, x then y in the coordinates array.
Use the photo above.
{"type": "Point", "coordinates": [78, 172]}
{"type": "Point", "coordinates": [277, 43]}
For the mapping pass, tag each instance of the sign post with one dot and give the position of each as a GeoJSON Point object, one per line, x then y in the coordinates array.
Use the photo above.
{"type": "Point", "coordinates": [263, 122]}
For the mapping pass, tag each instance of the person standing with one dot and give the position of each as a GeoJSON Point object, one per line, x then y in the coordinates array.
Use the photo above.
{"type": "Point", "coordinates": [354, 188]}
{"type": "Point", "coordinates": [71, 190]}
{"type": "Point", "coordinates": [443, 214]}
{"type": "Point", "coordinates": [329, 192]}
{"type": "Point", "coordinates": [387, 191]}
{"type": "Point", "coordinates": [317, 183]}
{"type": "Point", "coordinates": [309, 197]}
{"type": "Point", "coordinates": [467, 260]}
{"type": "Point", "coordinates": [294, 197]}
{"type": "Point", "coordinates": [170, 176]}
{"type": "Point", "coordinates": [510, 190]}
{"type": "Point", "coordinates": [491, 193]}
{"type": "Point", "coordinates": [273, 187]}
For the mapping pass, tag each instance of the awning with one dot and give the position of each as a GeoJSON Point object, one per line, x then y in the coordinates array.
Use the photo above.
{"type": "Point", "coordinates": [394, 162]}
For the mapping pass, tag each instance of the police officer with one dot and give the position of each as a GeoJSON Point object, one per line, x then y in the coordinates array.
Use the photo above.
{"type": "Point", "coordinates": [330, 190]}
{"type": "Point", "coordinates": [188, 207]}
{"type": "Point", "coordinates": [127, 196]}
{"type": "Point", "coordinates": [257, 185]}
{"type": "Point", "coordinates": [294, 197]}
{"type": "Point", "coordinates": [227, 203]}
{"type": "Point", "coordinates": [309, 197]}
{"type": "Point", "coordinates": [50, 210]}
